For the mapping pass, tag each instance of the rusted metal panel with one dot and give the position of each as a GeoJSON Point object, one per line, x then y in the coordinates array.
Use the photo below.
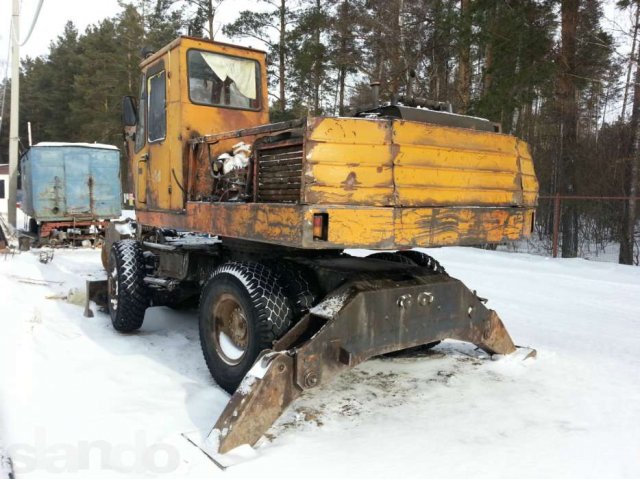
{"type": "Point", "coordinates": [349, 226]}
{"type": "Point", "coordinates": [402, 163]}
{"type": "Point", "coordinates": [348, 161]}
{"type": "Point", "coordinates": [437, 165]}
{"type": "Point", "coordinates": [369, 227]}
{"type": "Point", "coordinates": [63, 182]}
{"type": "Point", "coordinates": [459, 226]}
{"type": "Point", "coordinates": [279, 172]}
{"type": "Point", "coordinates": [47, 227]}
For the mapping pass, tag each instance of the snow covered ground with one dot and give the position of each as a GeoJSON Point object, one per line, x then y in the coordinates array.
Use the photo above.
{"type": "Point", "coordinates": [79, 399]}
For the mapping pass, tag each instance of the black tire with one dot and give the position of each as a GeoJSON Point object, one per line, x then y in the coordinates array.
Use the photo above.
{"type": "Point", "coordinates": [299, 287]}
{"type": "Point", "coordinates": [128, 296]}
{"type": "Point", "coordinates": [423, 260]}
{"type": "Point", "coordinates": [252, 292]}
{"type": "Point", "coordinates": [392, 257]}
{"type": "Point", "coordinates": [33, 226]}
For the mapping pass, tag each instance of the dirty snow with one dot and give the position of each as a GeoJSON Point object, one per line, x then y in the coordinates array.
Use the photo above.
{"type": "Point", "coordinates": [6, 469]}
{"type": "Point", "coordinates": [328, 307]}
{"type": "Point", "coordinates": [78, 399]}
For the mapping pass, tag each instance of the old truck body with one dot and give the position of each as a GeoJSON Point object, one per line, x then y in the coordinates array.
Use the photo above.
{"type": "Point", "coordinates": [70, 185]}
{"type": "Point", "coordinates": [252, 218]}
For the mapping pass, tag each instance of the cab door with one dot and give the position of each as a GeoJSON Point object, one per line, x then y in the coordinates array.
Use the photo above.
{"type": "Point", "coordinates": [139, 160]}
{"type": "Point", "coordinates": [158, 158]}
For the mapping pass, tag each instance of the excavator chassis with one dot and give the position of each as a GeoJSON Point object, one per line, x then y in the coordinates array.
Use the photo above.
{"type": "Point", "coordinates": [371, 306]}
{"type": "Point", "coordinates": [361, 319]}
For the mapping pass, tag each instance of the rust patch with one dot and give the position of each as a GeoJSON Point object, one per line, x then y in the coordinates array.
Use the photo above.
{"type": "Point", "coordinates": [351, 182]}
{"type": "Point", "coordinates": [91, 196]}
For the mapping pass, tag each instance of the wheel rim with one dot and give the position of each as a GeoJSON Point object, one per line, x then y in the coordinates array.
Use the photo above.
{"type": "Point", "coordinates": [113, 287]}
{"type": "Point", "coordinates": [230, 332]}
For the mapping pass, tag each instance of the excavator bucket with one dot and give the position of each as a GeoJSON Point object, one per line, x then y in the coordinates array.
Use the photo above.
{"type": "Point", "coordinates": [361, 319]}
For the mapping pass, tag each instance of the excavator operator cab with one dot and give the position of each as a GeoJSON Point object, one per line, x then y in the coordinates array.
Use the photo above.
{"type": "Point", "coordinates": [189, 85]}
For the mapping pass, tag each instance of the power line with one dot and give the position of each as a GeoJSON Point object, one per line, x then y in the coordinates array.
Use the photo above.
{"type": "Point", "coordinates": [33, 25]}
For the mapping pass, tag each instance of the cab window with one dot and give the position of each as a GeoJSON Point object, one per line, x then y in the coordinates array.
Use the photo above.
{"type": "Point", "coordinates": [223, 80]}
{"type": "Point", "coordinates": [157, 117]}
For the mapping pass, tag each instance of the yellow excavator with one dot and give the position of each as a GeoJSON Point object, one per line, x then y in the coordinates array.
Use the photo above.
{"type": "Point", "coordinates": [251, 220]}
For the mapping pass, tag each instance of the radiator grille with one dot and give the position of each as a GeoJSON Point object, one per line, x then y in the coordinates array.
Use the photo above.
{"type": "Point", "coordinates": [280, 174]}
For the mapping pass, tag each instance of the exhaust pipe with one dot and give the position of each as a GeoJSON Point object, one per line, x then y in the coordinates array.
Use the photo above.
{"type": "Point", "coordinates": [375, 90]}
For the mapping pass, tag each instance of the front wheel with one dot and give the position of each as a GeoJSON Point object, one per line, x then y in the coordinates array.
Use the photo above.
{"type": "Point", "coordinates": [128, 297]}
{"type": "Point", "coordinates": [243, 309]}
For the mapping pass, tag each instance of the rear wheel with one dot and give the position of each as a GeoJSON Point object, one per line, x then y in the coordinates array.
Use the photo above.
{"type": "Point", "coordinates": [128, 296]}
{"type": "Point", "coordinates": [391, 257]}
{"type": "Point", "coordinates": [423, 260]}
{"type": "Point", "coordinates": [243, 310]}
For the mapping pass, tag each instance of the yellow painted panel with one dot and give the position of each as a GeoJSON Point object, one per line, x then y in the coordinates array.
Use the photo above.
{"type": "Point", "coordinates": [364, 227]}
{"type": "Point", "coordinates": [523, 149]}
{"type": "Point", "coordinates": [345, 154]}
{"type": "Point", "coordinates": [351, 226]}
{"type": "Point", "coordinates": [433, 196]}
{"type": "Point", "coordinates": [426, 178]}
{"type": "Point", "coordinates": [414, 133]}
{"type": "Point", "coordinates": [349, 177]}
{"type": "Point", "coordinates": [527, 166]}
{"type": "Point", "coordinates": [359, 131]}
{"type": "Point", "coordinates": [339, 196]}
{"type": "Point", "coordinates": [529, 183]}
{"type": "Point", "coordinates": [457, 226]}
{"type": "Point", "coordinates": [425, 155]}
{"type": "Point", "coordinates": [438, 166]}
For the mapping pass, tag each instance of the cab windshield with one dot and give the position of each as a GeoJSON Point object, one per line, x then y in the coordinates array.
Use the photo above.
{"type": "Point", "coordinates": [222, 80]}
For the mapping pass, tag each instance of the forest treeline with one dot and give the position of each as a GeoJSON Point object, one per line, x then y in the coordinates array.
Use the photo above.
{"type": "Point", "coordinates": [547, 70]}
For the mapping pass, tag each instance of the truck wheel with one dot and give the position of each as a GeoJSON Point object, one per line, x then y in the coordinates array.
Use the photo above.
{"type": "Point", "coordinates": [392, 257]}
{"type": "Point", "coordinates": [299, 287]}
{"type": "Point", "coordinates": [128, 297]}
{"type": "Point", "coordinates": [243, 310]}
{"type": "Point", "coordinates": [423, 260]}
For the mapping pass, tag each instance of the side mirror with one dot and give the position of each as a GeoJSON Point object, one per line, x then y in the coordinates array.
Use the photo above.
{"type": "Point", "coordinates": [129, 111]}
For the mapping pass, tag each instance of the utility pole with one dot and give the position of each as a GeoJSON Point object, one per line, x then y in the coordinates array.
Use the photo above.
{"type": "Point", "coordinates": [15, 103]}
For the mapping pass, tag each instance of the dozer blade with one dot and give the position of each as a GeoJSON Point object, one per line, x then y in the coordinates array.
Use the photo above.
{"type": "Point", "coordinates": [358, 321]}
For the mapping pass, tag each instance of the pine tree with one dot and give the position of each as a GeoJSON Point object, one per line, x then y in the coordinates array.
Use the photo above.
{"type": "Point", "coordinates": [343, 47]}
{"type": "Point", "coordinates": [632, 157]}
{"type": "Point", "coordinates": [310, 79]}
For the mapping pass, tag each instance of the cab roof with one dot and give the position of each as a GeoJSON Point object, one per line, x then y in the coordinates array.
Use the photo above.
{"type": "Point", "coordinates": [154, 56]}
